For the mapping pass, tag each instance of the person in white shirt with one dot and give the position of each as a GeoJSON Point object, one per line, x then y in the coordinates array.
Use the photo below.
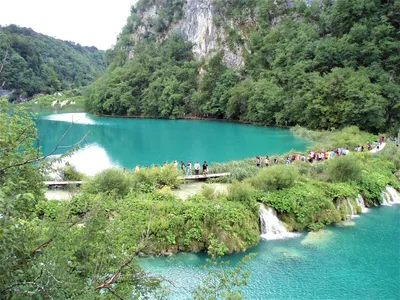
{"type": "Point", "coordinates": [137, 168]}
{"type": "Point", "coordinates": [196, 168]}
{"type": "Point", "coordinates": [267, 161]}
{"type": "Point", "coordinates": [189, 168]}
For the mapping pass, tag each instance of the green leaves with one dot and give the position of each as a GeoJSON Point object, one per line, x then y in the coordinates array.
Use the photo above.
{"type": "Point", "coordinates": [40, 64]}
{"type": "Point", "coordinates": [223, 282]}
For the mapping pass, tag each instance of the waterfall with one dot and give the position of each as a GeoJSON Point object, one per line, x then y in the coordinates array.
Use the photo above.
{"type": "Point", "coordinates": [351, 215]}
{"type": "Point", "coordinates": [390, 196]}
{"type": "Point", "coordinates": [385, 198]}
{"type": "Point", "coordinates": [394, 195]}
{"type": "Point", "coordinates": [271, 227]}
{"type": "Point", "coordinates": [361, 204]}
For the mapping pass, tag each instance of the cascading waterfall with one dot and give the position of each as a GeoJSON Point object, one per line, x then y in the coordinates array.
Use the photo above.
{"type": "Point", "coordinates": [394, 195]}
{"type": "Point", "coordinates": [351, 215]}
{"type": "Point", "coordinates": [361, 204]}
{"type": "Point", "coordinates": [385, 198]}
{"type": "Point", "coordinates": [271, 227]}
{"type": "Point", "coordinates": [390, 196]}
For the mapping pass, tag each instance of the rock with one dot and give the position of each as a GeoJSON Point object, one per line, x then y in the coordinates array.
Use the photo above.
{"type": "Point", "coordinates": [196, 26]}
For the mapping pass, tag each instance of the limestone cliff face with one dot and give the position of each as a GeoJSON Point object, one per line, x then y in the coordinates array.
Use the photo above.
{"type": "Point", "coordinates": [196, 26]}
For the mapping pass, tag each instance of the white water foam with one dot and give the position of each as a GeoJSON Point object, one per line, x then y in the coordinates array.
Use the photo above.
{"type": "Point", "coordinates": [77, 118]}
{"type": "Point", "coordinates": [385, 199]}
{"type": "Point", "coordinates": [351, 215]}
{"type": "Point", "coordinates": [361, 203]}
{"type": "Point", "coordinates": [390, 196]}
{"type": "Point", "coordinates": [271, 227]}
{"type": "Point", "coordinates": [89, 160]}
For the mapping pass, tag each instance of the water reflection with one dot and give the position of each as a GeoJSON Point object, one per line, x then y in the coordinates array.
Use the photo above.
{"type": "Point", "coordinates": [76, 118]}
{"type": "Point", "coordinates": [91, 159]}
{"type": "Point", "coordinates": [128, 142]}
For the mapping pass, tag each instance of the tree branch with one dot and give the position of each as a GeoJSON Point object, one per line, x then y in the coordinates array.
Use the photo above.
{"type": "Point", "coordinates": [48, 242]}
{"type": "Point", "coordinates": [3, 62]}
{"type": "Point", "coordinates": [58, 146]}
{"type": "Point", "coordinates": [107, 284]}
{"type": "Point", "coordinates": [114, 293]}
{"type": "Point", "coordinates": [39, 288]}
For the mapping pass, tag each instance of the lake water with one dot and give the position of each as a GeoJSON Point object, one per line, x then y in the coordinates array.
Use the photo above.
{"type": "Point", "coordinates": [361, 261]}
{"type": "Point", "coordinates": [127, 142]}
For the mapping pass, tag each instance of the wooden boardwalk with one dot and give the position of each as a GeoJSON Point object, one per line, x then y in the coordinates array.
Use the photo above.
{"type": "Point", "coordinates": [202, 177]}
{"type": "Point", "coordinates": [61, 183]}
{"type": "Point", "coordinates": [190, 177]}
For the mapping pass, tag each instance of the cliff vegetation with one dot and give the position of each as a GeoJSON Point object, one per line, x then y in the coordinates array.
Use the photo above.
{"type": "Point", "coordinates": [319, 64]}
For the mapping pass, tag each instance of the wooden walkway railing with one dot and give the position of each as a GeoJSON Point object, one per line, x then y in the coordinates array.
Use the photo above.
{"type": "Point", "coordinates": [63, 183]}
{"type": "Point", "coordinates": [200, 177]}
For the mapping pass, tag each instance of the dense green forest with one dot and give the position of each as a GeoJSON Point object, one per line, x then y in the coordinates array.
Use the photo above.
{"type": "Point", "coordinates": [35, 63]}
{"type": "Point", "coordinates": [321, 64]}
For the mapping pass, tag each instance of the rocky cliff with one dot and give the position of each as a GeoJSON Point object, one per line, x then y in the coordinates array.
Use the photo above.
{"type": "Point", "coordinates": [195, 21]}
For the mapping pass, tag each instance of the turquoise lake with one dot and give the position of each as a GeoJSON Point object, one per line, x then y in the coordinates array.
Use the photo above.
{"type": "Point", "coordinates": [361, 261]}
{"type": "Point", "coordinates": [358, 260]}
{"type": "Point", "coordinates": [127, 142]}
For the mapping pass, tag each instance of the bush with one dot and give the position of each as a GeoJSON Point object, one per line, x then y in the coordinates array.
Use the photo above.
{"type": "Point", "coordinates": [109, 181]}
{"type": "Point", "coordinates": [80, 204]}
{"type": "Point", "coordinates": [208, 192]}
{"type": "Point", "coordinates": [167, 176]}
{"type": "Point", "coordinates": [344, 168]}
{"type": "Point", "coordinates": [71, 174]}
{"type": "Point", "coordinates": [305, 205]}
{"type": "Point", "coordinates": [239, 169]}
{"type": "Point", "coordinates": [146, 180]}
{"type": "Point", "coordinates": [275, 178]}
{"type": "Point", "coordinates": [372, 184]}
{"type": "Point", "coordinates": [242, 192]}
{"type": "Point", "coordinates": [49, 208]}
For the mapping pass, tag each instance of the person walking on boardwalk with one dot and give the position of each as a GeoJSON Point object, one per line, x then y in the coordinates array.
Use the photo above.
{"type": "Point", "coordinates": [183, 167]}
{"type": "Point", "coordinates": [257, 161]}
{"type": "Point", "coordinates": [267, 161]}
{"type": "Point", "coordinates": [196, 168]}
{"type": "Point", "coordinates": [189, 168]}
{"type": "Point", "coordinates": [205, 168]}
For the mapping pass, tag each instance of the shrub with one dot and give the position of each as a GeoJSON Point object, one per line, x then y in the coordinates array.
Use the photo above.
{"type": "Point", "coordinates": [345, 168]}
{"type": "Point", "coordinates": [146, 180]}
{"type": "Point", "coordinates": [305, 205]}
{"type": "Point", "coordinates": [239, 170]}
{"type": "Point", "coordinates": [80, 204]}
{"type": "Point", "coordinates": [275, 178]}
{"type": "Point", "coordinates": [371, 185]}
{"type": "Point", "coordinates": [71, 174]}
{"type": "Point", "coordinates": [49, 208]}
{"type": "Point", "coordinates": [208, 191]}
{"type": "Point", "coordinates": [242, 192]}
{"type": "Point", "coordinates": [167, 176]}
{"type": "Point", "coordinates": [109, 181]}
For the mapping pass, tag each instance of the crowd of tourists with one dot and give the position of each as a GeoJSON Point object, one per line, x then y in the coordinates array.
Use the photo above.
{"type": "Point", "coordinates": [310, 157]}
{"type": "Point", "coordinates": [317, 156]}
{"type": "Point", "coordinates": [186, 169]}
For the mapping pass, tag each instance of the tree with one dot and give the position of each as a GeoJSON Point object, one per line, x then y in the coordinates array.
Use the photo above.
{"type": "Point", "coordinates": [223, 283]}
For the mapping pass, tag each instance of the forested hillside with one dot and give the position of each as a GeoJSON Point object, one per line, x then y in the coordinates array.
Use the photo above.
{"type": "Point", "coordinates": [36, 63]}
{"type": "Point", "coordinates": [321, 64]}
